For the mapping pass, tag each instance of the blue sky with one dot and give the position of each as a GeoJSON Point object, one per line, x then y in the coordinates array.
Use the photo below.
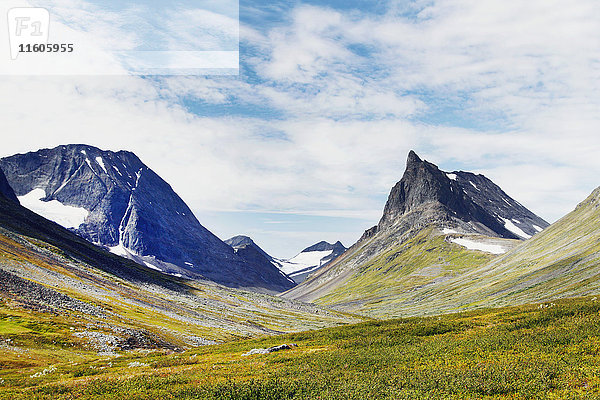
{"type": "Point", "coordinates": [305, 144]}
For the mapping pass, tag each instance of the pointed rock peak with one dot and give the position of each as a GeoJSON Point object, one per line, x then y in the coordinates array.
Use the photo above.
{"type": "Point", "coordinates": [422, 182]}
{"type": "Point", "coordinates": [413, 158]}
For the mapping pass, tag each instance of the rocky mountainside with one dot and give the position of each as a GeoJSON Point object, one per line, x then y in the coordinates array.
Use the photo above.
{"type": "Point", "coordinates": [463, 200]}
{"type": "Point", "coordinates": [562, 261]}
{"type": "Point", "coordinates": [436, 225]}
{"type": "Point", "coordinates": [241, 241]}
{"type": "Point", "coordinates": [311, 259]}
{"type": "Point", "coordinates": [6, 190]}
{"type": "Point", "coordinates": [114, 200]}
{"type": "Point", "coordinates": [245, 248]}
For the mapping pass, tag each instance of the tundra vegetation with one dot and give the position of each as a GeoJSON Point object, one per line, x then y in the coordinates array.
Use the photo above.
{"type": "Point", "coordinates": [547, 350]}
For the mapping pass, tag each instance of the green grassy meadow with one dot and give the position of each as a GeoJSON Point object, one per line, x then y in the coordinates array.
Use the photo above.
{"type": "Point", "coordinates": [545, 351]}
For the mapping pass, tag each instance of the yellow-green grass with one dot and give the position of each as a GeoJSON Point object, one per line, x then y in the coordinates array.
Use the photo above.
{"type": "Point", "coordinates": [31, 339]}
{"type": "Point", "coordinates": [547, 351]}
{"type": "Point", "coordinates": [385, 284]}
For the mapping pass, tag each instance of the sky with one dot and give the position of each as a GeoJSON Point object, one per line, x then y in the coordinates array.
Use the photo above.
{"type": "Point", "coordinates": [306, 142]}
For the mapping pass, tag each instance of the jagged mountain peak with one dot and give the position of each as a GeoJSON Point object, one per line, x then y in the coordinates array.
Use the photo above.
{"type": "Point", "coordinates": [457, 198]}
{"type": "Point", "coordinates": [413, 158]}
{"type": "Point", "coordinates": [421, 182]}
{"type": "Point", "coordinates": [434, 224]}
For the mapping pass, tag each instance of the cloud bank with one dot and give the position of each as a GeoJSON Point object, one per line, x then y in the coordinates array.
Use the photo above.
{"type": "Point", "coordinates": [329, 101]}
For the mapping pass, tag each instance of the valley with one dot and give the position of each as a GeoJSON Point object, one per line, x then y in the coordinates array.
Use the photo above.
{"type": "Point", "coordinates": [459, 291]}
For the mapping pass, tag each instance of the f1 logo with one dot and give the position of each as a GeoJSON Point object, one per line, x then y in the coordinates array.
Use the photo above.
{"type": "Point", "coordinates": [27, 25]}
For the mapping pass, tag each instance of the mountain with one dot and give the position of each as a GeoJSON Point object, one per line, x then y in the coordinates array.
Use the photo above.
{"type": "Point", "coordinates": [73, 296]}
{"type": "Point", "coordinates": [460, 199]}
{"type": "Point", "coordinates": [114, 200]}
{"type": "Point", "coordinates": [435, 227]}
{"type": "Point", "coordinates": [241, 241]}
{"type": "Point", "coordinates": [245, 248]}
{"type": "Point", "coordinates": [311, 260]}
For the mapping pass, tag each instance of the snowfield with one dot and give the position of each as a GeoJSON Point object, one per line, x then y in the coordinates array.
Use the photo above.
{"type": "Point", "coordinates": [473, 245]}
{"type": "Point", "coordinates": [304, 260]}
{"type": "Point", "coordinates": [54, 210]}
{"type": "Point", "coordinates": [508, 224]}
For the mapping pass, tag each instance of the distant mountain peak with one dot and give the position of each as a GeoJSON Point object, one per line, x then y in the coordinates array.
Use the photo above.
{"type": "Point", "coordinates": [242, 241]}
{"type": "Point", "coordinates": [239, 240]}
{"type": "Point", "coordinates": [325, 246]}
{"type": "Point", "coordinates": [311, 259]}
{"type": "Point", "coordinates": [428, 211]}
{"type": "Point", "coordinates": [422, 182]}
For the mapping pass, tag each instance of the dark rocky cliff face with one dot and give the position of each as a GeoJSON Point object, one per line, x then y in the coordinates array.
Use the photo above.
{"type": "Point", "coordinates": [245, 248]}
{"type": "Point", "coordinates": [6, 190]}
{"type": "Point", "coordinates": [243, 241]}
{"type": "Point", "coordinates": [135, 213]}
{"type": "Point", "coordinates": [472, 201]}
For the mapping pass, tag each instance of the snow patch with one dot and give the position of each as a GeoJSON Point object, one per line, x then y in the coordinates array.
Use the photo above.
{"type": "Point", "coordinates": [117, 169]}
{"type": "Point", "coordinates": [537, 228]}
{"type": "Point", "coordinates": [54, 210]}
{"type": "Point", "coordinates": [451, 176]}
{"type": "Point", "coordinates": [473, 245]}
{"type": "Point", "coordinates": [514, 229]}
{"type": "Point", "coordinates": [87, 160]}
{"type": "Point", "coordinates": [475, 186]}
{"type": "Point", "coordinates": [149, 265]}
{"type": "Point", "coordinates": [303, 261]}
{"type": "Point", "coordinates": [101, 164]}
{"type": "Point", "coordinates": [448, 230]}
{"type": "Point", "coordinates": [119, 250]}
{"type": "Point", "coordinates": [188, 263]}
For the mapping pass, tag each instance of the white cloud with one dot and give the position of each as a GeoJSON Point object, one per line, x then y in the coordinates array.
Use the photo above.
{"type": "Point", "coordinates": [350, 89]}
